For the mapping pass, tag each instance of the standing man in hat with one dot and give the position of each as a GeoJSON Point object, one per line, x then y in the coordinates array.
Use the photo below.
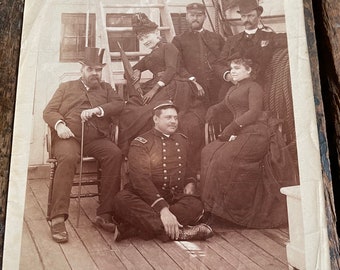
{"type": "Point", "coordinates": [199, 48]}
{"type": "Point", "coordinates": [254, 43]}
{"type": "Point", "coordinates": [160, 200]}
{"type": "Point", "coordinates": [93, 101]}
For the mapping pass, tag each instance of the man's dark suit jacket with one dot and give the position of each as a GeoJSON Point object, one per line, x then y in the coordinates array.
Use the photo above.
{"type": "Point", "coordinates": [71, 98]}
{"type": "Point", "coordinates": [260, 48]}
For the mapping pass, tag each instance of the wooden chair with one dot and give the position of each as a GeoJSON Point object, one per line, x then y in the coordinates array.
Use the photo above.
{"type": "Point", "coordinates": [211, 131]}
{"type": "Point", "coordinates": [90, 175]}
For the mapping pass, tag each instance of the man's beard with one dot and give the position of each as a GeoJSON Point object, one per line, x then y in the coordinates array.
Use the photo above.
{"type": "Point", "coordinates": [93, 82]}
{"type": "Point", "coordinates": [196, 26]}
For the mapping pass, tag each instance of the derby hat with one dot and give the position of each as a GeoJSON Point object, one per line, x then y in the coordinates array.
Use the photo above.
{"type": "Point", "coordinates": [93, 57]}
{"type": "Point", "coordinates": [141, 24]}
{"type": "Point", "coordinates": [246, 6]}
{"type": "Point", "coordinates": [164, 104]}
{"type": "Point", "coordinates": [196, 7]}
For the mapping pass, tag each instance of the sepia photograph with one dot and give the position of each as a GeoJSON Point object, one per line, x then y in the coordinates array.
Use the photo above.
{"type": "Point", "coordinates": [165, 134]}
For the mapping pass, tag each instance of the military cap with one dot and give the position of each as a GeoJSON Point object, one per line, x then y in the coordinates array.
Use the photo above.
{"type": "Point", "coordinates": [246, 6]}
{"type": "Point", "coordinates": [196, 7]}
{"type": "Point", "coordinates": [165, 104]}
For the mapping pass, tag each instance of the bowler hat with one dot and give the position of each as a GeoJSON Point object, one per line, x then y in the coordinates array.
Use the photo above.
{"type": "Point", "coordinates": [141, 24]}
{"type": "Point", "coordinates": [246, 6]}
{"type": "Point", "coordinates": [196, 7]}
{"type": "Point", "coordinates": [93, 57]}
{"type": "Point", "coordinates": [164, 104]}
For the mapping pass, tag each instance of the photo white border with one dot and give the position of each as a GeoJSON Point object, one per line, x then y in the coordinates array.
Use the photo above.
{"type": "Point", "coordinates": [312, 191]}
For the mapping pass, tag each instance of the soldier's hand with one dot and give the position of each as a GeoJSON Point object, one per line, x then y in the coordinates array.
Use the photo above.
{"type": "Point", "coordinates": [63, 131]}
{"type": "Point", "coordinates": [87, 114]}
{"type": "Point", "coordinates": [190, 189]}
{"type": "Point", "coordinates": [170, 223]}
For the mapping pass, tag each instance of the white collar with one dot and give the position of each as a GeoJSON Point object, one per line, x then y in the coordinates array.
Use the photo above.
{"type": "Point", "coordinates": [251, 31]}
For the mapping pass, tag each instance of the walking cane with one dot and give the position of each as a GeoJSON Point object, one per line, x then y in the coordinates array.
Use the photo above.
{"type": "Point", "coordinates": [81, 168]}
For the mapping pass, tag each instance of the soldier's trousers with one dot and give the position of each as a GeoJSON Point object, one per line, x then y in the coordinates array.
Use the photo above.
{"type": "Point", "coordinates": [67, 153]}
{"type": "Point", "coordinates": [130, 209]}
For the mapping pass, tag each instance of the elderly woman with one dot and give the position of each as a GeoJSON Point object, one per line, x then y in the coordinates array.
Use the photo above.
{"type": "Point", "coordinates": [164, 63]}
{"type": "Point", "coordinates": [240, 178]}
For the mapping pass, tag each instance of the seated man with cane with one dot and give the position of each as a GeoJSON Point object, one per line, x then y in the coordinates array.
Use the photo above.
{"type": "Point", "coordinates": [94, 102]}
{"type": "Point", "coordinates": [160, 200]}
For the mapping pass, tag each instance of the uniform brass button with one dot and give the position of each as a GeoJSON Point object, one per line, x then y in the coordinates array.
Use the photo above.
{"type": "Point", "coordinates": [164, 165]}
{"type": "Point", "coordinates": [176, 186]}
{"type": "Point", "coordinates": [163, 188]}
{"type": "Point", "coordinates": [179, 171]}
{"type": "Point", "coordinates": [177, 143]}
{"type": "Point", "coordinates": [165, 177]}
{"type": "Point", "coordinates": [179, 157]}
{"type": "Point", "coordinates": [164, 185]}
{"type": "Point", "coordinates": [178, 150]}
{"type": "Point", "coordinates": [165, 171]}
{"type": "Point", "coordinates": [178, 178]}
{"type": "Point", "coordinates": [164, 150]}
{"type": "Point", "coordinates": [164, 144]}
{"type": "Point", "coordinates": [164, 157]}
{"type": "Point", "coordinates": [180, 164]}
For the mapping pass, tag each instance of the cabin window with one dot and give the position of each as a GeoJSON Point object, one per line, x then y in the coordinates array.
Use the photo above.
{"type": "Point", "coordinates": [73, 36]}
{"type": "Point", "coordinates": [126, 38]}
{"type": "Point", "coordinates": [179, 22]}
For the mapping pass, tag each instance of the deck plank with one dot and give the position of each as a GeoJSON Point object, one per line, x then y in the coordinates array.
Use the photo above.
{"type": "Point", "coordinates": [92, 248]}
{"type": "Point", "coordinates": [236, 258]}
{"type": "Point", "coordinates": [181, 255]}
{"type": "Point", "coordinates": [252, 251]}
{"type": "Point", "coordinates": [277, 235]}
{"type": "Point", "coordinates": [266, 244]}
{"type": "Point", "coordinates": [128, 255]}
{"type": "Point", "coordinates": [206, 254]}
{"type": "Point", "coordinates": [154, 254]}
{"type": "Point", "coordinates": [29, 254]}
{"type": "Point", "coordinates": [51, 253]}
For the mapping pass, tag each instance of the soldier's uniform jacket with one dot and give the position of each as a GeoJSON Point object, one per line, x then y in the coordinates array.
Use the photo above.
{"type": "Point", "coordinates": [157, 168]}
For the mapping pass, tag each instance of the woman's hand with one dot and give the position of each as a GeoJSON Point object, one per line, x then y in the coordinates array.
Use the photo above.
{"type": "Point", "coordinates": [231, 130]}
{"type": "Point", "coordinates": [149, 95]}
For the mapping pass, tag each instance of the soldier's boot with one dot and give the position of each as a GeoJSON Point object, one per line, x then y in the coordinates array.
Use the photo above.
{"type": "Point", "coordinates": [199, 232]}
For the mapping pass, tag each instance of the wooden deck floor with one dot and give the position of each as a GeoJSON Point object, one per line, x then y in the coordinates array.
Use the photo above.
{"type": "Point", "coordinates": [91, 248]}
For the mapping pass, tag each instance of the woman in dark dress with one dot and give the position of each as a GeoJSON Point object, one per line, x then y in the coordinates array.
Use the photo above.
{"type": "Point", "coordinates": [240, 179]}
{"type": "Point", "coordinates": [164, 63]}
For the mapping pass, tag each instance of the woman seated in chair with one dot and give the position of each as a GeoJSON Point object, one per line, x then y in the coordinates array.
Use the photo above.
{"type": "Point", "coordinates": [163, 62]}
{"type": "Point", "coordinates": [240, 179]}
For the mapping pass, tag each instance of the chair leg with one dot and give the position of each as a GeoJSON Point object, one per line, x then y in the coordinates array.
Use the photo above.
{"type": "Point", "coordinates": [50, 190]}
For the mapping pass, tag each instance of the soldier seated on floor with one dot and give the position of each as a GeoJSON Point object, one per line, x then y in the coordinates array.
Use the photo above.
{"type": "Point", "coordinates": [160, 199]}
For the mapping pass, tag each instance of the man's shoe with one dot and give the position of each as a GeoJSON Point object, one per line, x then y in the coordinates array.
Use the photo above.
{"type": "Point", "coordinates": [105, 222]}
{"type": "Point", "coordinates": [199, 232]}
{"type": "Point", "coordinates": [59, 233]}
